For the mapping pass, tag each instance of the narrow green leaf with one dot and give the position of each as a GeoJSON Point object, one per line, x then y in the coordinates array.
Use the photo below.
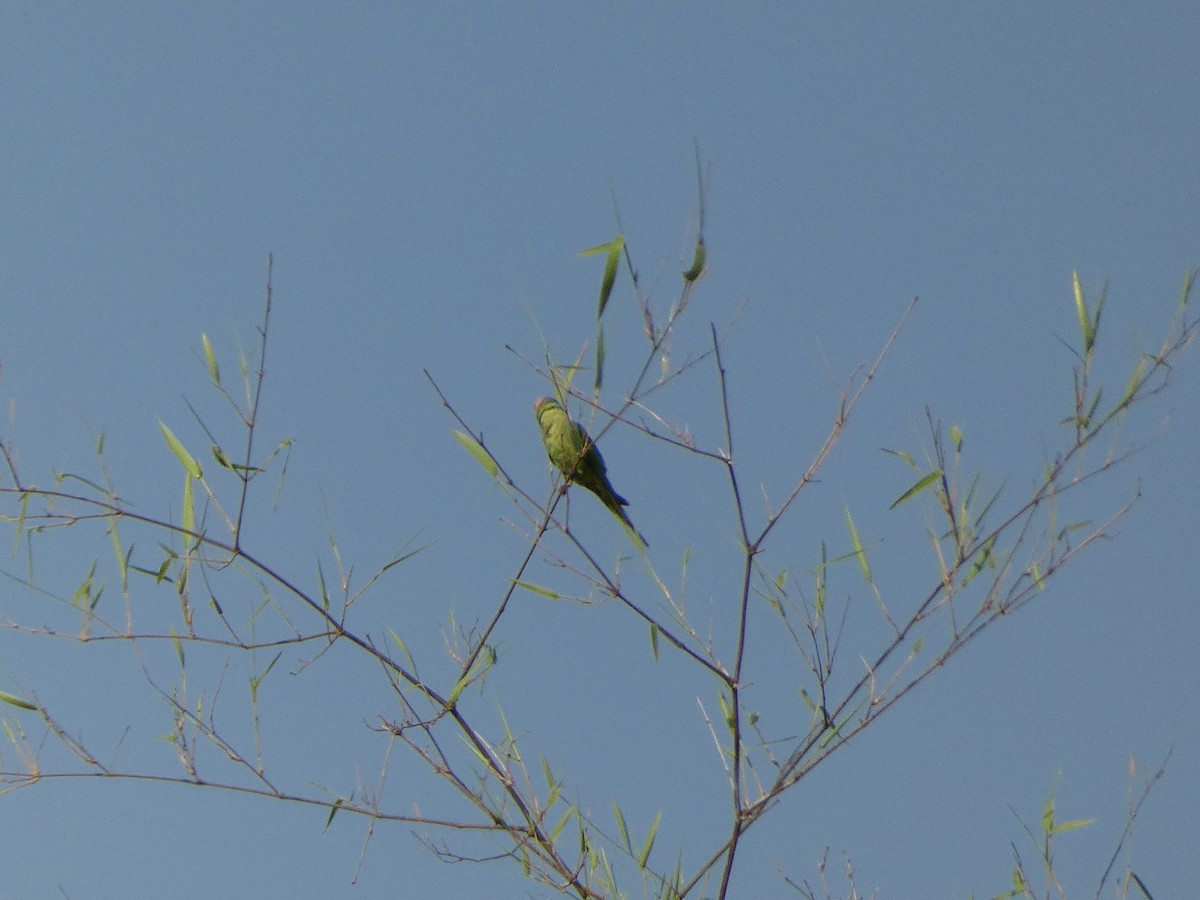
{"type": "Point", "coordinates": [189, 505]}
{"type": "Point", "coordinates": [185, 459]}
{"type": "Point", "coordinates": [983, 559]}
{"type": "Point", "coordinates": [1019, 883]}
{"type": "Point", "coordinates": [819, 601]}
{"type": "Point", "coordinates": [399, 642]}
{"type": "Point", "coordinates": [1073, 824]}
{"type": "Point", "coordinates": [478, 451]}
{"type": "Point", "coordinates": [622, 829]}
{"type": "Point", "coordinates": [907, 457]}
{"type": "Point", "coordinates": [337, 804]}
{"type": "Point", "coordinates": [178, 645]}
{"type": "Point", "coordinates": [600, 356]}
{"type": "Point", "coordinates": [859, 553]}
{"type": "Point", "coordinates": [649, 845]}
{"type": "Point", "coordinates": [256, 683]}
{"type": "Point", "coordinates": [610, 273]}
{"type": "Point", "coordinates": [222, 459]}
{"type": "Point", "coordinates": [538, 589]}
{"type": "Point", "coordinates": [956, 438]}
{"type": "Point", "coordinates": [698, 261]}
{"type": "Point", "coordinates": [808, 700]}
{"type": "Point", "coordinates": [324, 590]}
{"type": "Point", "coordinates": [1090, 413]}
{"type": "Point", "coordinates": [726, 710]}
{"type": "Point", "coordinates": [1189, 279]}
{"type": "Point", "coordinates": [917, 488]}
{"type": "Point", "coordinates": [613, 257]}
{"type": "Point", "coordinates": [552, 783]}
{"type": "Point", "coordinates": [82, 597]}
{"type": "Point", "coordinates": [1037, 577]}
{"type": "Point", "coordinates": [1136, 380]}
{"type": "Point", "coordinates": [654, 641]}
{"type": "Point", "coordinates": [211, 359]}
{"type": "Point", "coordinates": [122, 557]}
{"type": "Point", "coordinates": [458, 689]}
{"type": "Point", "coordinates": [14, 700]}
{"type": "Point", "coordinates": [562, 823]}
{"type": "Point", "coordinates": [1085, 319]}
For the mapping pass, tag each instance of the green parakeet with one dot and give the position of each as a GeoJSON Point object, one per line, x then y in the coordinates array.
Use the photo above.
{"type": "Point", "coordinates": [573, 453]}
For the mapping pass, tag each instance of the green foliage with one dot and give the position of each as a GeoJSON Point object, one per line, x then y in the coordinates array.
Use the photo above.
{"type": "Point", "coordinates": [990, 554]}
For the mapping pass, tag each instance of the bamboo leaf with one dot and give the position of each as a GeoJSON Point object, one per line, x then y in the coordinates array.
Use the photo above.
{"type": "Point", "coordinates": [613, 256]}
{"type": "Point", "coordinates": [1073, 824]}
{"type": "Point", "coordinates": [178, 645]}
{"type": "Point", "coordinates": [649, 845]}
{"type": "Point", "coordinates": [726, 710]}
{"type": "Point", "coordinates": [14, 700]}
{"type": "Point", "coordinates": [1048, 813]}
{"type": "Point", "coordinates": [1185, 291]}
{"type": "Point", "coordinates": [859, 553]}
{"type": "Point", "coordinates": [1136, 380]}
{"type": "Point", "coordinates": [478, 451]}
{"type": "Point", "coordinates": [956, 438]}
{"type": "Point", "coordinates": [185, 459]}
{"type": "Point", "coordinates": [399, 642]}
{"type": "Point", "coordinates": [211, 359]}
{"type": "Point", "coordinates": [917, 488]}
{"type": "Point", "coordinates": [538, 589]}
{"type": "Point", "coordinates": [188, 513]}
{"type": "Point", "coordinates": [337, 804]}
{"type": "Point", "coordinates": [562, 823]}
{"type": "Point", "coordinates": [600, 353]}
{"type": "Point", "coordinates": [256, 683]}
{"type": "Point", "coordinates": [698, 260]}
{"type": "Point", "coordinates": [624, 832]}
{"type": "Point", "coordinates": [819, 600]}
{"type": "Point", "coordinates": [1086, 329]}
{"type": "Point", "coordinates": [322, 587]}
{"type": "Point", "coordinates": [907, 457]}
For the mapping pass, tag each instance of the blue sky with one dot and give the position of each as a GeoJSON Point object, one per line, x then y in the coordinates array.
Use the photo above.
{"type": "Point", "coordinates": [425, 178]}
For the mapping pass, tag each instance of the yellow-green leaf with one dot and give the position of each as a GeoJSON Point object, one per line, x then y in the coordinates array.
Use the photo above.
{"type": "Point", "coordinates": [189, 506]}
{"type": "Point", "coordinates": [538, 589]}
{"type": "Point", "coordinates": [698, 261]}
{"type": "Point", "coordinates": [916, 488]}
{"type": "Point", "coordinates": [14, 700]}
{"type": "Point", "coordinates": [613, 251]}
{"type": "Point", "coordinates": [1136, 380]}
{"type": "Point", "coordinates": [600, 351]}
{"type": "Point", "coordinates": [649, 845]}
{"type": "Point", "coordinates": [726, 710]}
{"type": "Point", "coordinates": [1086, 328]}
{"type": "Point", "coordinates": [622, 829]}
{"type": "Point", "coordinates": [956, 438]}
{"type": "Point", "coordinates": [1189, 279]}
{"type": "Point", "coordinates": [185, 459]}
{"type": "Point", "coordinates": [337, 804]}
{"type": "Point", "coordinates": [859, 553]}
{"type": "Point", "coordinates": [1073, 824]}
{"type": "Point", "coordinates": [222, 459]}
{"type": "Point", "coordinates": [478, 451]}
{"type": "Point", "coordinates": [211, 359]}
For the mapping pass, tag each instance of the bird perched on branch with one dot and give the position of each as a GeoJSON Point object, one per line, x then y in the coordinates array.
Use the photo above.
{"type": "Point", "coordinates": [573, 453]}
